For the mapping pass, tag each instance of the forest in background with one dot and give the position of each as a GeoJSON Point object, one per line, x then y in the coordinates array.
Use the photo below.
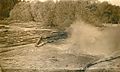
{"type": "Point", "coordinates": [62, 13]}
{"type": "Point", "coordinates": [5, 7]}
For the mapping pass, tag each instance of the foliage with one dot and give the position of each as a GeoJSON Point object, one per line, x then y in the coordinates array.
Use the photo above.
{"type": "Point", "coordinates": [86, 11]}
{"type": "Point", "coordinates": [43, 12]}
{"type": "Point", "coordinates": [5, 7]}
{"type": "Point", "coordinates": [21, 11]}
{"type": "Point", "coordinates": [64, 13]}
{"type": "Point", "coordinates": [109, 13]}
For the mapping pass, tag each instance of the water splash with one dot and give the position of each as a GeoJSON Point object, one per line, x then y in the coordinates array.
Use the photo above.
{"type": "Point", "coordinates": [89, 39]}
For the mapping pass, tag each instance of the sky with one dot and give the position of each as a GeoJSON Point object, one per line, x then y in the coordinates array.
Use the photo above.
{"type": "Point", "coordinates": [114, 2]}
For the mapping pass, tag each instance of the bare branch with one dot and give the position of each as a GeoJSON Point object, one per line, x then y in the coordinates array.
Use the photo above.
{"type": "Point", "coordinates": [100, 61]}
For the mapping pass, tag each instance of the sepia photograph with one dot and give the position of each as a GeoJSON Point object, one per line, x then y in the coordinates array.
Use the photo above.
{"type": "Point", "coordinates": [59, 35]}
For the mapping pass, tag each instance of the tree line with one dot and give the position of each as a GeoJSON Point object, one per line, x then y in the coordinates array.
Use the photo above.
{"type": "Point", "coordinates": [63, 13]}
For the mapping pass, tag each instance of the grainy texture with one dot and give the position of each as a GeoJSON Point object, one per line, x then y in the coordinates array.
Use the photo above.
{"type": "Point", "coordinates": [79, 36]}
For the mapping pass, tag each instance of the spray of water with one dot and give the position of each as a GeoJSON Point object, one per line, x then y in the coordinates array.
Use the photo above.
{"type": "Point", "coordinates": [89, 39]}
